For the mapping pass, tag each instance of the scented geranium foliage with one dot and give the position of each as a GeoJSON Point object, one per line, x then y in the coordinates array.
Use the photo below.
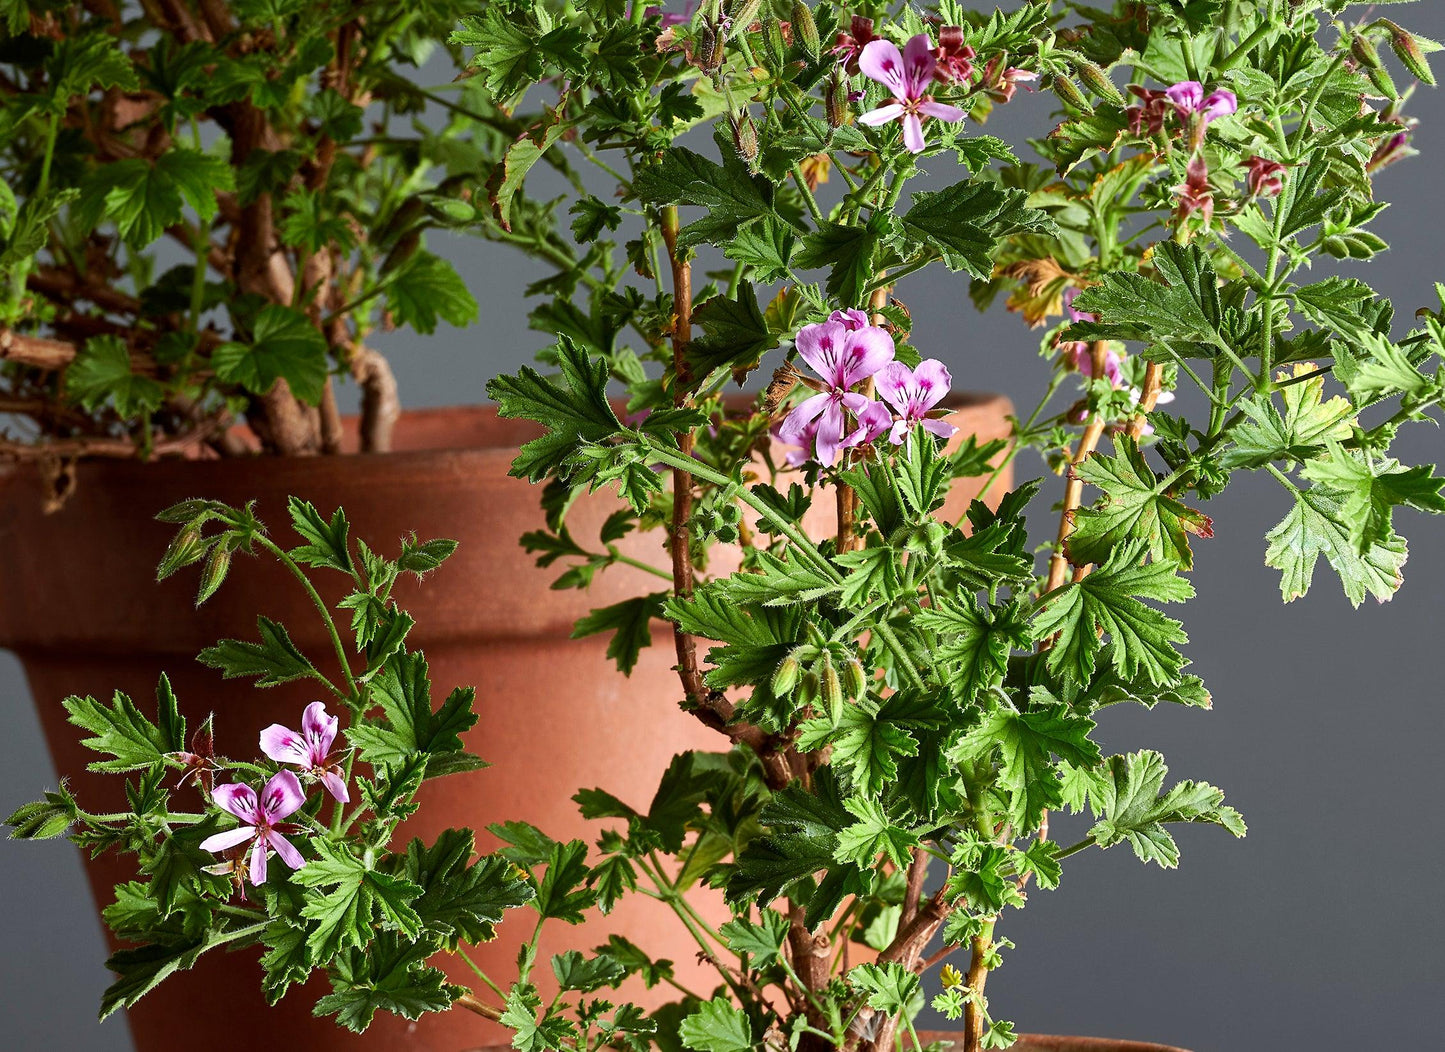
{"type": "Point", "coordinates": [919, 696]}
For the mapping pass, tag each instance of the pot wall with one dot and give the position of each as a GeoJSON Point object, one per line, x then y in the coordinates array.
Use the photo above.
{"type": "Point", "coordinates": [79, 605]}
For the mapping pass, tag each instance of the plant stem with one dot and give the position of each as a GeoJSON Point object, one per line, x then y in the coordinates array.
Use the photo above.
{"type": "Point", "coordinates": [974, 1014]}
{"type": "Point", "coordinates": [296, 571]}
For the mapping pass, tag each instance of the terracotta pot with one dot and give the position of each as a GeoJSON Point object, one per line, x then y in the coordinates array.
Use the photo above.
{"type": "Point", "coordinates": [79, 605]}
{"type": "Point", "coordinates": [1025, 1043]}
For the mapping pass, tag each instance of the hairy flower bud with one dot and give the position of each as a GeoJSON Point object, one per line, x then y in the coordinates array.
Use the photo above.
{"type": "Point", "coordinates": [774, 44]}
{"type": "Point", "coordinates": [707, 53]}
{"type": "Point", "coordinates": [831, 688]}
{"type": "Point", "coordinates": [805, 30]}
{"type": "Point", "coordinates": [786, 676]}
{"type": "Point", "coordinates": [835, 101]}
{"type": "Point", "coordinates": [743, 13]}
{"type": "Point", "coordinates": [1363, 51]}
{"type": "Point", "coordinates": [1069, 92]}
{"type": "Point", "coordinates": [745, 140]}
{"type": "Point", "coordinates": [808, 689]}
{"type": "Point", "coordinates": [855, 679]}
{"type": "Point", "coordinates": [214, 572]}
{"type": "Point", "coordinates": [1411, 55]}
{"type": "Point", "coordinates": [1097, 80]}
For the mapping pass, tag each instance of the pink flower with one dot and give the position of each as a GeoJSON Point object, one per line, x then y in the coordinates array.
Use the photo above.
{"type": "Point", "coordinates": [843, 357]}
{"type": "Point", "coordinates": [1195, 194]}
{"type": "Point", "coordinates": [310, 750]}
{"type": "Point", "coordinates": [849, 46]}
{"type": "Point", "coordinates": [1148, 117]}
{"type": "Point", "coordinates": [1395, 148]}
{"type": "Point", "coordinates": [913, 393]}
{"type": "Point", "coordinates": [1266, 177]}
{"type": "Point", "coordinates": [260, 821]}
{"type": "Point", "coordinates": [1070, 295]}
{"type": "Point", "coordinates": [1189, 101]}
{"type": "Point", "coordinates": [954, 58]}
{"type": "Point", "coordinates": [1082, 359]}
{"type": "Point", "coordinates": [908, 77]}
{"type": "Point", "coordinates": [851, 319]}
{"type": "Point", "coordinates": [799, 447]}
{"type": "Point", "coordinates": [1001, 82]}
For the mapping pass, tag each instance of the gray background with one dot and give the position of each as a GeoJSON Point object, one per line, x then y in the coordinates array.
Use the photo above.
{"type": "Point", "coordinates": [1322, 930]}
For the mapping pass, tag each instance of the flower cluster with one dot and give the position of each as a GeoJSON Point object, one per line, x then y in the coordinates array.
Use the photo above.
{"type": "Point", "coordinates": [845, 351]}
{"type": "Point", "coordinates": [1186, 101]}
{"type": "Point", "coordinates": [262, 817]}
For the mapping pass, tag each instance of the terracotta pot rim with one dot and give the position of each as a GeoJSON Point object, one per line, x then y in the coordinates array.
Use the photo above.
{"type": "Point", "coordinates": [1038, 1042]}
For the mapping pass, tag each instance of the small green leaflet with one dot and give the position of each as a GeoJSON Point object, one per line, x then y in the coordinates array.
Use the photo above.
{"type": "Point", "coordinates": [967, 221]}
{"type": "Point", "coordinates": [731, 195]}
{"type": "Point", "coordinates": [360, 899]}
{"type": "Point", "coordinates": [426, 288]}
{"type": "Point", "coordinates": [102, 372]}
{"type": "Point", "coordinates": [717, 1026]}
{"type": "Point", "coordinates": [273, 661]}
{"type": "Point", "coordinates": [143, 197]}
{"type": "Point", "coordinates": [762, 940]}
{"type": "Point", "coordinates": [121, 731]}
{"type": "Point", "coordinates": [1128, 800]}
{"type": "Point", "coordinates": [1184, 312]}
{"type": "Point", "coordinates": [1315, 526]}
{"type": "Point", "coordinates": [1309, 420]}
{"type": "Point", "coordinates": [975, 641]}
{"type": "Point", "coordinates": [403, 690]}
{"type": "Point", "coordinates": [326, 542]}
{"type": "Point", "coordinates": [562, 891]}
{"type": "Point", "coordinates": [630, 623]}
{"type": "Point", "coordinates": [1371, 488]}
{"type": "Point", "coordinates": [849, 253]}
{"type": "Point", "coordinates": [891, 988]}
{"type": "Point", "coordinates": [1136, 504]}
{"type": "Point", "coordinates": [778, 582]}
{"type": "Point", "coordinates": [873, 834]}
{"type": "Point", "coordinates": [284, 346]}
{"type": "Point", "coordinates": [735, 335]}
{"type": "Point", "coordinates": [1108, 599]}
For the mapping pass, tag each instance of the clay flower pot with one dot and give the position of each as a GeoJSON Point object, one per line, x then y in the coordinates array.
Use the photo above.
{"type": "Point", "coordinates": [81, 609]}
{"type": "Point", "coordinates": [1052, 1043]}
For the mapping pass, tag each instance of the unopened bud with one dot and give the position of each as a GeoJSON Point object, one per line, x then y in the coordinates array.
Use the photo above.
{"type": "Point", "coordinates": [1364, 52]}
{"type": "Point", "coordinates": [707, 53]}
{"type": "Point", "coordinates": [786, 676]}
{"type": "Point", "coordinates": [808, 689]}
{"type": "Point", "coordinates": [832, 691]}
{"type": "Point", "coordinates": [1097, 80]}
{"type": "Point", "coordinates": [188, 547]}
{"type": "Point", "coordinates": [773, 43]}
{"type": "Point", "coordinates": [214, 572]}
{"type": "Point", "coordinates": [805, 30]}
{"type": "Point", "coordinates": [1411, 55]}
{"type": "Point", "coordinates": [745, 140]}
{"type": "Point", "coordinates": [1069, 92]}
{"type": "Point", "coordinates": [835, 101]}
{"type": "Point", "coordinates": [855, 680]}
{"type": "Point", "coordinates": [744, 12]}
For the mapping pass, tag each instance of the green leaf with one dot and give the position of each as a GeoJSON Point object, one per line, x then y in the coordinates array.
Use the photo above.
{"type": "Point", "coordinates": [122, 732]}
{"type": "Point", "coordinates": [766, 246]}
{"type": "Point", "coordinates": [273, 661]}
{"type": "Point", "coordinates": [424, 557]}
{"type": "Point", "coordinates": [717, 1026]}
{"type": "Point", "coordinates": [462, 901]}
{"type": "Point", "coordinates": [866, 743]}
{"type": "Point", "coordinates": [735, 335]}
{"type": "Point", "coordinates": [731, 195]}
{"type": "Point", "coordinates": [426, 288]}
{"type": "Point", "coordinates": [1184, 310]}
{"type": "Point", "coordinates": [360, 898]}
{"type": "Point", "coordinates": [850, 254]}
{"type": "Point", "coordinates": [776, 582]}
{"type": "Point", "coordinates": [968, 221]}
{"type": "Point", "coordinates": [975, 642]}
{"type": "Point", "coordinates": [630, 622]}
{"type": "Point", "coordinates": [873, 834]}
{"type": "Point", "coordinates": [141, 970]}
{"type": "Point", "coordinates": [403, 690]}
{"type": "Point", "coordinates": [284, 346]}
{"type": "Point", "coordinates": [143, 197]}
{"type": "Point", "coordinates": [562, 893]}
{"type": "Point", "coordinates": [1136, 505]}
{"type": "Point", "coordinates": [1131, 807]}
{"type": "Point", "coordinates": [389, 976]}
{"type": "Point", "coordinates": [1316, 526]}
{"type": "Point", "coordinates": [549, 1034]}
{"type": "Point", "coordinates": [1371, 488]}
{"type": "Point", "coordinates": [326, 542]}
{"type": "Point", "coordinates": [1105, 601]}
{"type": "Point", "coordinates": [101, 373]}
{"type": "Point", "coordinates": [762, 940]}
{"type": "Point", "coordinates": [586, 974]}
{"type": "Point", "coordinates": [1308, 421]}
{"type": "Point", "coordinates": [891, 988]}
{"type": "Point", "coordinates": [1024, 743]}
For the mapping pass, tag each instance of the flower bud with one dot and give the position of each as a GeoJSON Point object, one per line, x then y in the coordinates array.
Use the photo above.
{"type": "Point", "coordinates": [835, 101]}
{"type": "Point", "coordinates": [1097, 80]}
{"type": "Point", "coordinates": [786, 676]}
{"type": "Point", "coordinates": [855, 680]}
{"type": "Point", "coordinates": [1069, 92]}
{"type": "Point", "coordinates": [805, 30]}
{"type": "Point", "coordinates": [188, 547]}
{"type": "Point", "coordinates": [831, 688]}
{"type": "Point", "coordinates": [808, 689]}
{"type": "Point", "coordinates": [745, 140]}
{"type": "Point", "coordinates": [1411, 55]}
{"type": "Point", "coordinates": [214, 572]}
{"type": "Point", "coordinates": [773, 43]}
{"type": "Point", "coordinates": [744, 12]}
{"type": "Point", "coordinates": [1365, 54]}
{"type": "Point", "coordinates": [707, 53]}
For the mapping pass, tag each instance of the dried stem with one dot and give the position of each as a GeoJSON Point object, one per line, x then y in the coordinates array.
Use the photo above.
{"type": "Point", "coordinates": [1074, 487]}
{"type": "Point", "coordinates": [1153, 384]}
{"type": "Point", "coordinates": [472, 1003]}
{"type": "Point", "coordinates": [36, 351]}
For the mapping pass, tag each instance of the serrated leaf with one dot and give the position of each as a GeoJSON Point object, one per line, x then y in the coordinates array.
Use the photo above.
{"type": "Point", "coordinates": [1136, 506]}
{"type": "Point", "coordinates": [717, 1026]}
{"type": "Point", "coordinates": [968, 221]}
{"type": "Point", "coordinates": [284, 346]}
{"type": "Point", "coordinates": [426, 288]}
{"type": "Point", "coordinates": [273, 661]}
{"type": "Point", "coordinates": [1315, 526]}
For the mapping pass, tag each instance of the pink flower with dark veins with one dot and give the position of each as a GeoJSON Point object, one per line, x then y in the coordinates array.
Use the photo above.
{"type": "Point", "coordinates": [260, 821]}
{"type": "Point", "coordinates": [851, 319]}
{"type": "Point", "coordinates": [954, 58]}
{"type": "Point", "coordinates": [1195, 194]}
{"type": "Point", "coordinates": [1189, 101]}
{"type": "Point", "coordinates": [843, 357]}
{"type": "Point", "coordinates": [310, 749]}
{"type": "Point", "coordinates": [907, 76]}
{"type": "Point", "coordinates": [913, 394]}
{"type": "Point", "coordinates": [1266, 177]}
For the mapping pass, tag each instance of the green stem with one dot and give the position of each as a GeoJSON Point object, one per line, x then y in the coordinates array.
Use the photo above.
{"type": "Point", "coordinates": [296, 571]}
{"type": "Point", "coordinates": [477, 970]}
{"type": "Point", "coordinates": [808, 199]}
{"type": "Point", "coordinates": [628, 560]}
{"type": "Point", "coordinates": [1246, 45]}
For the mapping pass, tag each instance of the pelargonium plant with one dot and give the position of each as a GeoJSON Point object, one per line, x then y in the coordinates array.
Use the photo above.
{"type": "Point", "coordinates": [909, 700]}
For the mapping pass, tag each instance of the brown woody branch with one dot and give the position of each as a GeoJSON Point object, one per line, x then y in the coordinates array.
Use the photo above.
{"type": "Point", "coordinates": [1153, 385]}
{"type": "Point", "coordinates": [36, 351]}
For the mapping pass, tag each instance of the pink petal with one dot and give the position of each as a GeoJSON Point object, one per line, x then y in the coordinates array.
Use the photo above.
{"type": "Point", "coordinates": [286, 850]}
{"type": "Point", "coordinates": [230, 838]}
{"type": "Point", "coordinates": [1188, 95]}
{"type": "Point", "coordinates": [797, 423]}
{"type": "Point", "coordinates": [892, 383]}
{"type": "Point", "coordinates": [282, 796]}
{"type": "Point", "coordinates": [913, 133]}
{"type": "Point", "coordinates": [830, 434]}
{"type": "Point", "coordinates": [899, 432]}
{"type": "Point", "coordinates": [941, 428]}
{"type": "Point", "coordinates": [819, 346]}
{"type": "Point", "coordinates": [258, 862]}
{"type": "Point", "coordinates": [284, 745]}
{"type": "Point", "coordinates": [851, 319]}
{"type": "Point", "coordinates": [336, 786]}
{"type": "Point", "coordinates": [873, 419]}
{"type": "Point", "coordinates": [881, 61]}
{"type": "Point", "coordinates": [239, 800]}
{"type": "Point", "coordinates": [1220, 103]}
{"type": "Point", "coordinates": [868, 350]}
{"type": "Point", "coordinates": [918, 64]}
{"type": "Point", "coordinates": [942, 111]}
{"type": "Point", "coordinates": [933, 380]}
{"type": "Point", "coordinates": [882, 115]}
{"type": "Point", "coordinates": [317, 725]}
